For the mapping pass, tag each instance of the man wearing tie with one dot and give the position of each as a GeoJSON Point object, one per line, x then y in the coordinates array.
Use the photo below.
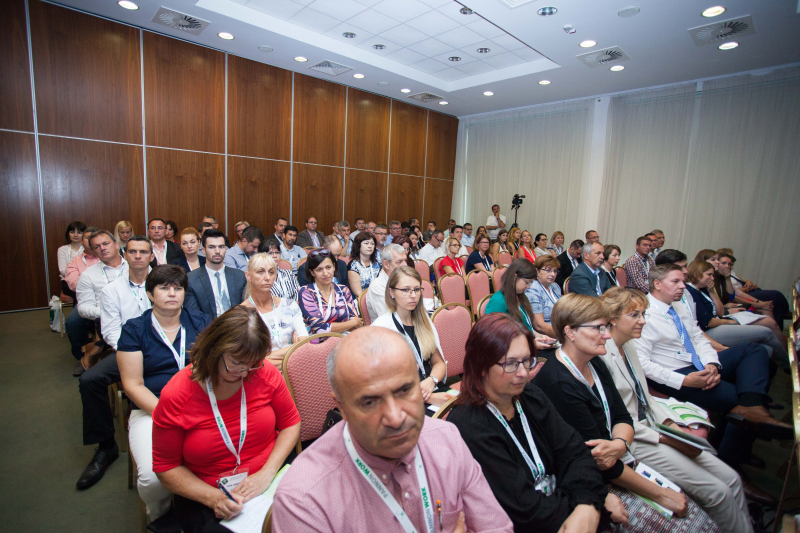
{"type": "Point", "coordinates": [214, 288]}
{"type": "Point", "coordinates": [568, 261]}
{"type": "Point", "coordinates": [586, 278]}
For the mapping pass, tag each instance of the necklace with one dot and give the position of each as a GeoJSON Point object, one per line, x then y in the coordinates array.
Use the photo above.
{"type": "Point", "coordinates": [168, 330]}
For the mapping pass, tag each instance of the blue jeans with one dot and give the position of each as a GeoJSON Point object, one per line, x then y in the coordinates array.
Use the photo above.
{"type": "Point", "coordinates": [79, 331]}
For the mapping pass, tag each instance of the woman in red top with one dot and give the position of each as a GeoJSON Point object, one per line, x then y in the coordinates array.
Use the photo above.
{"type": "Point", "coordinates": [226, 418]}
{"type": "Point", "coordinates": [525, 244]}
{"type": "Point", "coordinates": [452, 264]}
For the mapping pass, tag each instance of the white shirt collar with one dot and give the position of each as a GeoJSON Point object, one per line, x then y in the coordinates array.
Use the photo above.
{"type": "Point", "coordinates": [658, 304]}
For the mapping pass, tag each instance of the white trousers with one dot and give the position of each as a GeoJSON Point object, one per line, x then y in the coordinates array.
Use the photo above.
{"type": "Point", "coordinates": [140, 439]}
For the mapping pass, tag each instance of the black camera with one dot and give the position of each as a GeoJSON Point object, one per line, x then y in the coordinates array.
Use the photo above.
{"type": "Point", "coordinates": [517, 201]}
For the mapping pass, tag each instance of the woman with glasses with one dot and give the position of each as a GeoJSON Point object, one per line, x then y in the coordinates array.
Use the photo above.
{"type": "Point", "coordinates": [501, 245]}
{"type": "Point", "coordinates": [611, 254]}
{"type": "Point", "coordinates": [190, 244]}
{"type": "Point", "coordinates": [281, 315]}
{"type": "Point", "coordinates": [152, 348]}
{"type": "Point", "coordinates": [228, 420]}
{"type": "Point", "coordinates": [541, 245]}
{"type": "Point", "coordinates": [556, 246]}
{"type": "Point", "coordinates": [583, 392]}
{"type": "Point", "coordinates": [326, 305]}
{"type": "Point", "coordinates": [452, 264]}
{"type": "Point", "coordinates": [544, 293]}
{"type": "Point", "coordinates": [480, 259]}
{"type": "Point", "coordinates": [408, 317]}
{"type": "Point", "coordinates": [286, 285]}
{"type": "Point", "coordinates": [711, 483]}
{"type": "Point", "coordinates": [364, 265]}
{"type": "Point", "coordinates": [537, 465]}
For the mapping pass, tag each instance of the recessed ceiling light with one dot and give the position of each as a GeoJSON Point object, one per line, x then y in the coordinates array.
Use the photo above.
{"type": "Point", "coordinates": [544, 82]}
{"type": "Point", "coordinates": [358, 76]}
{"type": "Point", "coordinates": [405, 90]}
{"type": "Point", "coordinates": [728, 46]}
{"type": "Point", "coordinates": [225, 35]}
{"type": "Point", "coordinates": [127, 5]}
{"type": "Point", "coordinates": [616, 68]}
{"type": "Point", "coordinates": [466, 11]}
{"type": "Point", "coordinates": [443, 102]}
{"type": "Point", "coordinates": [588, 44]}
{"type": "Point", "coordinates": [383, 83]}
{"type": "Point", "coordinates": [348, 35]}
{"type": "Point", "coordinates": [628, 12]}
{"type": "Point", "coordinates": [454, 58]}
{"type": "Point", "coordinates": [484, 50]}
{"type": "Point", "coordinates": [301, 59]}
{"type": "Point", "coordinates": [547, 11]}
{"type": "Point", "coordinates": [378, 46]}
{"type": "Point", "coordinates": [488, 93]}
{"type": "Point", "coordinates": [714, 11]}
{"type": "Point", "coordinates": [265, 48]}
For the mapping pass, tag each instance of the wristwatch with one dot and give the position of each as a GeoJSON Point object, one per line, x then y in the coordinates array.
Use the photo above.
{"type": "Point", "coordinates": [719, 366]}
{"type": "Point", "coordinates": [435, 381]}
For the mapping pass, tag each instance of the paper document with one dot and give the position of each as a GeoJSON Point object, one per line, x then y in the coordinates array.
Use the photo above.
{"type": "Point", "coordinates": [687, 438]}
{"type": "Point", "coordinates": [254, 512]}
{"type": "Point", "coordinates": [745, 317]}
{"type": "Point", "coordinates": [651, 475]}
{"type": "Point", "coordinates": [685, 413]}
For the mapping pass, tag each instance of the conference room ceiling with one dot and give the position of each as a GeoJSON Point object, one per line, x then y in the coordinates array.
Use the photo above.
{"type": "Point", "coordinates": [502, 50]}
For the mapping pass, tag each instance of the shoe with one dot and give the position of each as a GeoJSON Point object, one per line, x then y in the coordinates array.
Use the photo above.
{"type": "Point", "coordinates": [755, 494]}
{"type": "Point", "coordinates": [758, 419]}
{"type": "Point", "coordinates": [78, 370]}
{"type": "Point", "coordinates": [97, 467]}
{"type": "Point", "coordinates": [755, 462]}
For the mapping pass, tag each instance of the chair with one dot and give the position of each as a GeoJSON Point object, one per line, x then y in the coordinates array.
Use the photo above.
{"type": "Point", "coordinates": [304, 369]}
{"type": "Point", "coordinates": [347, 260]}
{"type": "Point", "coordinates": [309, 248]}
{"type": "Point", "coordinates": [566, 285]}
{"type": "Point", "coordinates": [362, 307]}
{"type": "Point", "coordinates": [497, 277]}
{"type": "Point", "coordinates": [444, 409]}
{"type": "Point", "coordinates": [301, 262]}
{"type": "Point", "coordinates": [451, 289]}
{"type": "Point", "coordinates": [423, 268]}
{"type": "Point", "coordinates": [482, 306]}
{"type": "Point", "coordinates": [478, 287]}
{"type": "Point", "coordinates": [535, 370]}
{"type": "Point", "coordinates": [133, 476]}
{"type": "Point", "coordinates": [622, 276]}
{"type": "Point", "coordinates": [64, 301]}
{"type": "Point", "coordinates": [469, 249]}
{"type": "Point", "coordinates": [285, 265]}
{"type": "Point", "coordinates": [436, 269]}
{"type": "Point", "coordinates": [453, 323]}
{"type": "Point", "coordinates": [505, 258]}
{"type": "Point", "coordinates": [427, 289]}
{"type": "Point", "coordinates": [121, 406]}
{"type": "Point", "coordinates": [267, 528]}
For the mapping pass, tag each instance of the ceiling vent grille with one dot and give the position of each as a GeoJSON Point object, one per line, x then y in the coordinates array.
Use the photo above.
{"type": "Point", "coordinates": [722, 31]}
{"type": "Point", "coordinates": [607, 56]}
{"type": "Point", "coordinates": [426, 97]}
{"type": "Point", "coordinates": [330, 67]}
{"type": "Point", "coordinates": [180, 21]}
{"type": "Point", "coordinates": [516, 3]}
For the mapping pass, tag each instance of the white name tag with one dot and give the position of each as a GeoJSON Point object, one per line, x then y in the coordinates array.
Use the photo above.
{"type": "Point", "coordinates": [684, 356]}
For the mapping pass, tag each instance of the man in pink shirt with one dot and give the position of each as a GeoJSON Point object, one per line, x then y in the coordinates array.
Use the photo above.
{"type": "Point", "coordinates": [386, 467]}
{"type": "Point", "coordinates": [79, 329]}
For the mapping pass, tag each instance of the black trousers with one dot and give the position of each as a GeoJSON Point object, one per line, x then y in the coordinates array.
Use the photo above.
{"type": "Point", "coordinates": [98, 421]}
{"type": "Point", "coordinates": [196, 517]}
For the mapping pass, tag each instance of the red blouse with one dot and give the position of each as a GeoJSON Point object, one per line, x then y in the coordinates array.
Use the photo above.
{"type": "Point", "coordinates": [456, 264]}
{"type": "Point", "coordinates": [529, 255]}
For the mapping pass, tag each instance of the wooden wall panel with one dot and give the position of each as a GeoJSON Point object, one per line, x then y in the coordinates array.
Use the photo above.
{"type": "Point", "coordinates": [364, 196]}
{"type": "Point", "coordinates": [259, 109]}
{"type": "Point", "coordinates": [184, 93]}
{"type": "Point", "coordinates": [20, 216]}
{"type": "Point", "coordinates": [319, 117]}
{"type": "Point", "coordinates": [258, 192]}
{"type": "Point", "coordinates": [438, 202]}
{"type": "Point", "coordinates": [185, 186]}
{"type": "Point", "coordinates": [367, 130]}
{"type": "Point", "coordinates": [442, 135]}
{"type": "Point", "coordinates": [408, 139]}
{"type": "Point", "coordinates": [87, 74]}
{"type": "Point", "coordinates": [98, 183]}
{"type": "Point", "coordinates": [316, 191]}
{"type": "Point", "coordinates": [16, 108]}
{"type": "Point", "coordinates": [405, 197]}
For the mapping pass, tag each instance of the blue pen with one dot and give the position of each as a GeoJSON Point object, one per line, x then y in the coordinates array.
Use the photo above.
{"type": "Point", "coordinates": [225, 491]}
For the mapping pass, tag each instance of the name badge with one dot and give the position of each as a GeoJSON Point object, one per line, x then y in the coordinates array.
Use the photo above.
{"type": "Point", "coordinates": [231, 480]}
{"type": "Point", "coordinates": [546, 484]}
{"type": "Point", "coordinates": [684, 356]}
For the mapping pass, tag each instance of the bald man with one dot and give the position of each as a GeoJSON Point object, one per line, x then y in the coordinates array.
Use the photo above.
{"type": "Point", "coordinates": [386, 455]}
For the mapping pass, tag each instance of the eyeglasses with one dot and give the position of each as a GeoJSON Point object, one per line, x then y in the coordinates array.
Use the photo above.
{"type": "Point", "coordinates": [528, 282]}
{"type": "Point", "coordinates": [509, 367]}
{"type": "Point", "coordinates": [549, 270]}
{"type": "Point", "coordinates": [243, 370]}
{"type": "Point", "coordinates": [322, 252]}
{"type": "Point", "coordinates": [601, 328]}
{"type": "Point", "coordinates": [415, 292]}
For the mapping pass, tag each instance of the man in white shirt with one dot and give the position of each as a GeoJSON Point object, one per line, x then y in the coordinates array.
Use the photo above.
{"type": "Point", "coordinates": [467, 239]}
{"type": "Point", "coordinates": [164, 251]}
{"type": "Point", "coordinates": [392, 256]}
{"type": "Point", "coordinates": [360, 226]}
{"type": "Point", "coordinates": [94, 278]}
{"type": "Point", "coordinates": [458, 233]}
{"type": "Point", "coordinates": [239, 254]}
{"type": "Point", "coordinates": [434, 249]}
{"type": "Point", "coordinates": [394, 231]}
{"type": "Point", "coordinates": [495, 223]}
{"type": "Point", "coordinates": [289, 251]}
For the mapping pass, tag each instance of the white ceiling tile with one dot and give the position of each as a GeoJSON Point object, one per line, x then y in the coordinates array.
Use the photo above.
{"type": "Point", "coordinates": [390, 46]}
{"type": "Point", "coordinates": [429, 65]}
{"type": "Point", "coordinates": [450, 74]}
{"type": "Point", "coordinates": [369, 3]}
{"type": "Point", "coordinates": [406, 56]}
{"type": "Point", "coordinates": [508, 42]}
{"type": "Point", "coordinates": [453, 10]}
{"type": "Point", "coordinates": [504, 60]}
{"type": "Point", "coordinates": [485, 28]}
{"type": "Point", "coordinates": [372, 21]}
{"type": "Point", "coordinates": [445, 58]}
{"type": "Point", "coordinates": [283, 9]}
{"type": "Point", "coordinates": [433, 23]}
{"type": "Point", "coordinates": [313, 20]}
{"type": "Point", "coordinates": [338, 9]}
{"type": "Point", "coordinates": [460, 37]}
{"type": "Point", "coordinates": [430, 47]}
{"type": "Point", "coordinates": [494, 50]}
{"type": "Point", "coordinates": [528, 54]}
{"type": "Point", "coordinates": [478, 67]}
{"type": "Point", "coordinates": [402, 10]}
{"type": "Point", "coordinates": [336, 33]}
{"type": "Point", "coordinates": [403, 35]}
{"type": "Point", "coordinates": [436, 3]}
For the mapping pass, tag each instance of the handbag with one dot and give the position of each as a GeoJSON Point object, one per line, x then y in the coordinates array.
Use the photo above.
{"type": "Point", "coordinates": [333, 417]}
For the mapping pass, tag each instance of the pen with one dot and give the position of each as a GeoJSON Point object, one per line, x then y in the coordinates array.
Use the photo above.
{"type": "Point", "coordinates": [439, 512]}
{"type": "Point", "coordinates": [225, 491]}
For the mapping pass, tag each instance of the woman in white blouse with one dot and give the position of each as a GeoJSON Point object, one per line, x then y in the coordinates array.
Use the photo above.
{"type": "Point", "coordinates": [282, 316]}
{"type": "Point", "coordinates": [71, 250]}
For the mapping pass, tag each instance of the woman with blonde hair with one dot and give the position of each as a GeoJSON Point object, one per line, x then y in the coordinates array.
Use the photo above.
{"type": "Point", "coordinates": [452, 264]}
{"type": "Point", "coordinates": [122, 232]}
{"type": "Point", "coordinates": [513, 240]}
{"type": "Point", "coordinates": [190, 244]}
{"type": "Point", "coordinates": [525, 250]}
{"type": "Point", "coordinates": [556, 246]}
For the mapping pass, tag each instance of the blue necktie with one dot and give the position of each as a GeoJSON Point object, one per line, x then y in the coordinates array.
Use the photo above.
{"type": "Point", "coordinates": [687, 342]}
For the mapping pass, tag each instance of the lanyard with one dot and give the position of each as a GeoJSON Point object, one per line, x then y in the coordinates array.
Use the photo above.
{"type": "Point", "coordinates": [139, 299]}
{"type": "Point", "coordinates": [485, 261]}
{"type": "Point", "coordinates": [637, 386]}
{"type": "Point", "coordinates": [226, 438]}
{"type": "Point", "coordinates": [548, 291]}
{"type": "Point", "coordinates": [179, 359]}
{"type": "Point", "coordinates": [330, 303]}
{"type": "Point", "coordinates": [274, 328]}
{"type": "Point", "coordinates": [457, 264]}
{"type": "Point", "coordinates": [371, 272]}
{"type": "Point", "coordinates": [597, 382]}
{"type": "Point", "coordinates": [704, 295]}
{"type": "Point", "coordinates": [611, 276]}
{"type": "Point", "coordinates": [536, 465]}
{"type": "Point", "coordinates": [401, 328]}
{"type": "Point", "coordinates": [646, 264]}
{"type": "Point", "coordinates": [525, 316]}
{"type": "Point", "coordinates": [378, 486]}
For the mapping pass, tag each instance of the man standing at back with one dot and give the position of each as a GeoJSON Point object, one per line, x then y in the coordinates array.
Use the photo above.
{"type": "Point", "coordinates": [164, 251]}
{"type": "Point", "coordinates": [385, 454]}
{"type": "Point", "coordinates": [638, 266]}
{"type": "Point", "coordinates": [569, 260]}
{"type": "Point", "coordinates": [239, 254]}
{"type": "Point", "coordinates": [215, 287]}
{"type": "Point", "coordinates": [495, 222]}
{"type": "Point", "coordinates": [310, 236]}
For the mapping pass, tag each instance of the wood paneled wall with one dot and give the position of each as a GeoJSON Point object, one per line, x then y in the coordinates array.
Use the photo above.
{"type": "Point", "coordinates": [132, 125]}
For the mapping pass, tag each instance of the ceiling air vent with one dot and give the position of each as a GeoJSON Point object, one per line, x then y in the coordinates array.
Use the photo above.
{"type": "Point", "coordinates": [608, 56]}
{"type": "Point", "coordinates": [516, 3]}
{"type": "Point", "coordinates": [329, 67]}
{"type": "Point", "coordinates": [180, 21]}
{"type": "Point", "coordinates": [426, 97]}
{"type": "Point", "coordinates": [722, 31]}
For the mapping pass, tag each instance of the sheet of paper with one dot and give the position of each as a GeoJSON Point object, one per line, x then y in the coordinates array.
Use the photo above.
{"type": "Point", "coordinates": [745, 317]}
{"type": "Point", "coordinates": [251, 519]}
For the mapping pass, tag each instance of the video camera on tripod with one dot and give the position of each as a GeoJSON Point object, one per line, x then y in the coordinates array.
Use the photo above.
{"type": "Point", "coordinates": [515, 203]}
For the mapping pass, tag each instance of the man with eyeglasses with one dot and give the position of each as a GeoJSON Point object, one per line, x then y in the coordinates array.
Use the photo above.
{"type": "Point", "coordinates": [215, 287]}
{"type": "Point", "coordinates": [392, 256]}
{"type": "Point", "coordinates": [394, 231]}
{"type": "Point", "coordinates": [586, 278]}
{"type": "Point", "coordinates": [381, 234]}
{"type": "Point", "coordinates": [310, 236]}
{"type": "Point", "coordinates": [434, 249]}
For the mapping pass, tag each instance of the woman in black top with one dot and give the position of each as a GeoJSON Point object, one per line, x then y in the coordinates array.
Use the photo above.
{"type": "Point", "coordinates": [570, 493]}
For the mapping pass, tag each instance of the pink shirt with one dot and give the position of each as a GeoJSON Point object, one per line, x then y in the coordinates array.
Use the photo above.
{"type": "Point", "coordinates": [160, 252]}
{"type": "Point", "coordinates": [76, 267]}
{"type": "Point", "coordinates": [323, 491]}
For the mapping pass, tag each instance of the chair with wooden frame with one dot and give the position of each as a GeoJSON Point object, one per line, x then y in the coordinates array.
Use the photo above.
{"type": "Point", "coordinates": [427, 289]}
{"type": "Point", "coordinates": [301, 262]}
{"type": "Point", "coordinates": [424, 269]}
{"type": "Point", "coordinates": [566, 285]}
{"type": "Point", "coordinates": [64, 301]}
{"type": "Point", "coordinates": [622, 276]}
{"type": "Point", "coordinates": [497, 277]}
{"type": "Point", "coordinates": [304, 370]}
{"type": "Point", "coordinates": [362, 307]}
{"type": "Point", "coordinates": [478, 287]}
{"type": "Point", "coordinates": [133, 476]}
{"type": "Point", "coordinates": [442, 412]}
{"type": "Point", "coordinates": [482, 306]}
{"type": "Point", "coordinates": [452, 289]}
{"type": "Point", "coordinates": [283, 264]}
{"type": "Point", "coordinates": [453, 323]}
{"type": "Point", "coordinates": [436, 269]}
{"type": "Point", "coordinates": [469, 249]}
{"type": "Point", "coordinates": [504, 258]}
{"type": "Point", "coordinates": [267, 527]}
{"type": "Point", "coordinates": [120, 405]}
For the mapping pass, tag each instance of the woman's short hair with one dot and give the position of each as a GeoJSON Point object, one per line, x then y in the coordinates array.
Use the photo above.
{"type": "Point", "coordinates": [169, 275]}
{"type": "Point", "coordinates": [259, 260]}
{"type": "Point", "coordinates": [705, 254]}
{"type": "Point", "coordinates": [190, 231]}
{"type": "Point", "coordinates": [268, 244]}
{"type": "Point", "coordinates": [725, 251]}
{"type": "Point", "coordinates": [546, 261]}
{"type": "Point", "coordinates": [120, 225]}
{"type": "Point", "coordinates": [451, 240]}
{"type": "Point", "coordinates": [621, 300]}
{"type": "Point", "coordinates": [355, 253]}
{"type": "Point", "coordinates": [554, 235]}
{"type": "Point", "coordinates": [76, 225]}
{"type": "Point", "coordinates": [315, 259]}
{"type": "Point", "coordinates": [539, 236]}
{"type": "Point", "coordinates": [479, 238]}
{"type": "Point", "coordinates": [173, 225]}
{"type": "Point", "coordinates": [239, 333]}
{"type": "Point", "coordinates": [608, 249]}
{"type": "Point", "coordinates": [696, 270]}
{"type": "Point", "coordinates": [519, 268]}
{"type": "Point", "coordinates": [246, 224]}
{"type": "Point", "coordinates": [487, 345]}
{"type": "Point", "coordinates": [574, 310]}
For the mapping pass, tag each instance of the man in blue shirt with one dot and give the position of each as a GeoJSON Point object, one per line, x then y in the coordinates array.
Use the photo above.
{"type": "Point", "coordinates": [289, 251]}
{"type": "Point", "coordinates": [239, 254]}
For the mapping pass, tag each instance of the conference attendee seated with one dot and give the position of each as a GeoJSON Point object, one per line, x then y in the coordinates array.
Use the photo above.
{"type": "Point", "coordinates": [495, 222]}
{"type": "Point", "coordinates": [766, 307]}
{"type": "Point", "coordinates": [583, 392]}
{"type": "Point", "coordinates": [466, 238]}
{"type": "Point", "coordinates": [79, 329]}
{"type": "Point", "coordinates": [381, 233]}
{"type": "Point", "coordinates": [371, 226]}
{"type": "Point", "coordinates": [450, 225]}
{"type": "Point", "coordinates": [190, 244]}
{"type": "Point", "coordinates": [326, 304]}
{"type": "Point", "coordinates": [657, 243]}
{"type": "Point", "coordinates": [360, 225]}
{"type": "Point", "coordinates": [164, 251]}
{"type": "Point", "coordinates": [414, 239]}
{"type": "Point", "coordinates": [611, 253]}
{"type": "Point", "coordinates": [556, 246]}
{"type": "Point", "coordinates": [434, 249]}
{"type": "Point", "coordinates": [202, 228]}
{"type": "Point", "coordinates": [289, 251]}
{"type": "Point", "coordinates": [711, 483]}
{"type": "Point", "coordinates": [343, 232]}
{"type": "Point", "coordinates": [568, 261]}
{"type": "Point", "coordinates": [679, 362]}
{"type": "Point", "coordinates": [452, 263]}
{"type": "Point", "coordinates": [226, 420]}
{"type": "Point", "coordinates": [332, 244]}
{"type": "Point", "coordinates": [540, 241]}
{"type": "Point", "coordinates": [458, 232]}
{"type": "Point", "coordinates": [426, 235]}
{"type": "Point", "coordinates": [592, 236]}
{"type": "Point", "coordinates": [500, 245]}
{"type": "Point", "coordinates": [480, 259]}
{"type": "Point", "coordinates": [172, 231]}
{"type": "Point", "coordinates": [74, 247]}
{"type": "Point", "coordinates": [679, 258]}
{"type": "Point", "coordinates": [152, 348]}
{"type": "Point", "coordinates": [482, 231]}
{"type": "Point", "coordinates": [122, 232]}
{"type": "Point", "coordinates": [285, 285]}
{"type": "Point", "coordinates": [280, 228]}
{"type": "Point", "coordinates": [638, 266]}
{"type": "Point", "coordinates": [282, 316]}
{"type": "Point", "coordinates": [214, 287]}
{"type": "Point", "coordinates": [405, 471]}
{"type": "Point", "coordinates": [525, 250]}
{"type": "Point", "coordinates": [544, 293]}
{"type": "Point", "coordinates": [588, 278]}
{"type": "Point", "coordinates": [513, 239]}
{"type": "Point", "coordinates": [238, 255]}
{"type": "Point", "coordinates": [406, 314]}
{"type": "Point", "coordinates": [539, 469]}
{"type": "Point", "coordinates": [780, 306]}
{"type": "Point", "coordinates": [395, 230]}
{"type": "Point", "coordinates": [405, 243]}
{"type": "Point", "coordinates": [310, 236]}
{"type": "Point", "coordinates": [239, 228]}
{"type": "Point", "coordinates": [392, 256]}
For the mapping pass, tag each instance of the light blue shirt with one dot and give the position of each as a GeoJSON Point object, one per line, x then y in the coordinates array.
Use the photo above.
{"type": "Point", "coordinates": [235, 258]}
{"type": "Point", "coordinates": [349, 245]}
{"type": "Point", "coordinates": [596, 276]}
{"type": "Point", "coordinates": [467, 240]}
{"type": "Point", "coordinates": [541, 300]}
{"type": "Point", "coordinates": [293, 256]}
